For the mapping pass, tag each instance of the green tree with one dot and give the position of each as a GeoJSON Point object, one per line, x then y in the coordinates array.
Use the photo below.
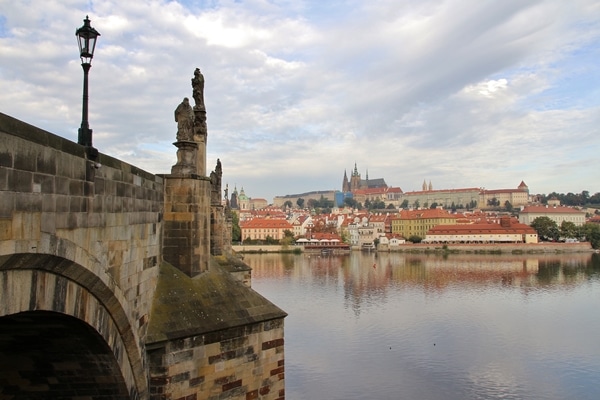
{"type": "Point", "coordinates": [404, 204]}
{"type": "Point", "coordinates": [350, 202]}
{"type": "Point", "coordinates": [377, 205]}
{"type": "Point", "coordinates": [595, 199]}
{"type": "Point", "coordinates": [591, 233]}
{"type": "Point", "coordinates": [300, 202]}
{"type": "Point", "coordinates": [546, 228]}
{"type": "Point", "coordinates": [345, 237]}
{"type": "Point", "coordinates": [568, 229]}
{"type": "Point", "coordinates": [390, 207]}
{"type": "Point", "coordinates": [416, 204]}
{"type": "Point", "coordinates": [493, 202]}
{"type": "Point", "coordinates": [287, 204]}
{"type": "Point", "coordinates": [271, 240]}
{"type": "Point", "coordinates": [415, 239]}
{"type": "Point", "coordinates": [288, 238]}
{"type": "Point", "coordinates": [236, 231]}
{"type": "Point", "coordinates": [434, 205]}
{"type": "Point", "coordinates": [508, 206]}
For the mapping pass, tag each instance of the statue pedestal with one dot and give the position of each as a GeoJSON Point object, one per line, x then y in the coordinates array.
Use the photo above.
{"type": "Point", "coordinates": [186, 158]}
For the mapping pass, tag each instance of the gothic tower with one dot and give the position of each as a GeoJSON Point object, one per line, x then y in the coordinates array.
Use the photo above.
{"type": "Point", "coordinates": [345, 183]}
{"type": "Point", "coordinates": [355, 180]}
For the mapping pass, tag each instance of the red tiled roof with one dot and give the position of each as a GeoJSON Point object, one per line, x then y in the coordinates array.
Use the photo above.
{"type": "Point", "coordinates": [514, 227]}
{"type": "Point", "coordinates": [550, 209]}
{"type": "Point", "coordinates": [263, 223]}
{"type": "Point", "coordinates": [444, 191]}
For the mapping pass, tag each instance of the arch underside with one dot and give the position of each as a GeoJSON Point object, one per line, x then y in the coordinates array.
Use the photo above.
{"type": "Point", "coordinates": [47, 355]}
{"type": "Point", "coordinates": [41, 282]}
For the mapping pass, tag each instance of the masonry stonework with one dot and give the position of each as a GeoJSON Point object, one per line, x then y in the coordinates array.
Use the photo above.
{"type": "Point", "coordinates": [137, 267]}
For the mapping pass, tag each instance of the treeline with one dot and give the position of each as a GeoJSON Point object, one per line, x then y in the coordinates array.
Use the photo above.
{"type": "Point", "coordinates": [572, 199]}
{"type": "Point", "coordinates": [549, 230]}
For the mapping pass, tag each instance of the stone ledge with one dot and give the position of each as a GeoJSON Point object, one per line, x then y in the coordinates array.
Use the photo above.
{"type": "Point", "coordinates": [212, 301]}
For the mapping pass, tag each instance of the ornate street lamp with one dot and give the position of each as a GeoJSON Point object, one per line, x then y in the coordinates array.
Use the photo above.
{"type": "Point", "coordinates": [86, 36]}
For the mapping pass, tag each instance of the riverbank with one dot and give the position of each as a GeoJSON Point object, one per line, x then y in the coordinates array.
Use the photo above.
{"type": "Point", "coordinates": [493, 248]}
{"type": "Point", "coordinates": [507, 248]}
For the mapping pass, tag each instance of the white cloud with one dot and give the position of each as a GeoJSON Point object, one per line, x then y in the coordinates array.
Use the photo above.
{"type": "Point", "coordinates": [459, 92]}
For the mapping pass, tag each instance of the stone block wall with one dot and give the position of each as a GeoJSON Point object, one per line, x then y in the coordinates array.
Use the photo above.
{"type": "Point", "coordinates": [104, 216]}
{"type": "Point", "coordinates": [243, 363]}
{"type": "Point", "coordinates": [186, 243]}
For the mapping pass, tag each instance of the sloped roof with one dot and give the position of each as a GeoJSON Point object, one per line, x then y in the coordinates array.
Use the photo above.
{"type": "Point", "coordinates": [443, 191]}
{"type": "Point", "coordinates": [263, 223]}
{"type": "Point", "coordinates": [481, 228]}
{"type": "Point", "coordinates": [210, 302]}
{"type": "Point", "coordinates": [551, 210]}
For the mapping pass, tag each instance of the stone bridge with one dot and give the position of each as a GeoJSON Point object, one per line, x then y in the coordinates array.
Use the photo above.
{"type": "Point", "coordinates": [119, 284]}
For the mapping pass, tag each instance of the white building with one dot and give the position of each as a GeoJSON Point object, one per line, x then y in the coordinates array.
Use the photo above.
{"type": "Point", "coordinates": [557, 214]}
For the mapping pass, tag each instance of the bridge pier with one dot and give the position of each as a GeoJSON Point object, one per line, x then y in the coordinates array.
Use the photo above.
{"type": "Point", "coordinates": [138, 266]}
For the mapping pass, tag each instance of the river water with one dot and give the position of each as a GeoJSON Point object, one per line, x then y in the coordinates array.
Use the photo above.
{"type": "Point", "coordinates": [406, 326]}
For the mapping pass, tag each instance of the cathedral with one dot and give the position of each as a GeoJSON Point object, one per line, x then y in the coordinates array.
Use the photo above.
{"type": "Point", "coordinates": [356, 182]}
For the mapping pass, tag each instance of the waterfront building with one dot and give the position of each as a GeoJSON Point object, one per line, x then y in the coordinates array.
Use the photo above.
{"type": "Point", "coordinates": [409, 223]}
{"type": "Point", "coordinates": [390, 241]}
{"type": "Point", "coordinates": [260, 228]}
{"type": "Point", "coordinates": [557, 214]}
{"type": "Point", "coordinates": [300, 224]}
{"type": "Point", "coordinates": [382, 223]}
{"type": "Point", "coordinates": [508, 230]}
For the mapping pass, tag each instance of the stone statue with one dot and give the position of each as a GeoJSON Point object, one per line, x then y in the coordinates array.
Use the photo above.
{"type": "Point", "coordinates": [219, 170]}
{"type": "Point", "coordinates": [198, 89]}
{"type": "Point", "coordinates": [215, 181]}
{"type": "Point", "coordinates": [184, 116]}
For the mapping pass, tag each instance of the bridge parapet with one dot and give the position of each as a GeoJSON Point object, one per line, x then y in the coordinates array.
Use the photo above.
{"type": "Point", "coordinates": [103, 215]}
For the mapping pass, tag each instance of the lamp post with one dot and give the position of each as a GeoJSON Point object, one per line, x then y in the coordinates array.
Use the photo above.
{"type": "Point", "coordinates": [86, 37]}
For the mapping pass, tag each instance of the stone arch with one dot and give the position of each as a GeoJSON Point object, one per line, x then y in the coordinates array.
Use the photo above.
{"type": "Point", "coordinates": [50, 355]}
{"type": "Point", "coordinates": [63, 278]}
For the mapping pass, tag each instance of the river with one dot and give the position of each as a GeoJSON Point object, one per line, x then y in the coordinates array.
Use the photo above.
{"type": "Point", "coordinates": [417, 326]}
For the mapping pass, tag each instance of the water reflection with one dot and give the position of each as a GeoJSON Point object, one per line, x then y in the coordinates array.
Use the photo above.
{"type": "Point", "coordinates": [369, 275]}
{"type": "Point", "coordinates": [387, 326]}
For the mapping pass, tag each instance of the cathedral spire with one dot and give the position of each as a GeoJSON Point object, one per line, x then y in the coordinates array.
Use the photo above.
{"type": "Point", "coordinates": [345, 183]}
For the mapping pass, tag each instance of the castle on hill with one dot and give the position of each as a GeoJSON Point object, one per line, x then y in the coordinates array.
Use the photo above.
{"type": "Point", "coordinates": [355, 183]}
{"type": "Point", "coordinates": [377, 189]}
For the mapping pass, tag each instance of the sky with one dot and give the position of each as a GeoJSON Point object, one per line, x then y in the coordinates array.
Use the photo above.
{"type": "Point", "coordinates": [459, 93]}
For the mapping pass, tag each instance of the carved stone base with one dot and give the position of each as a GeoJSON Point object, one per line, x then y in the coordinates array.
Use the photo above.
{"type": "Point", "coordinates": [186, 158]}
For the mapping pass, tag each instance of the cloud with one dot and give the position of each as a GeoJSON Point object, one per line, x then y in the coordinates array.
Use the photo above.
{"type": "Point", "coordinates": [460, 92]}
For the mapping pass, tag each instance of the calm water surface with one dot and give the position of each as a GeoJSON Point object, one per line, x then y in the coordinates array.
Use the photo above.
{"type": "Point", "coordinates": [403, 326]}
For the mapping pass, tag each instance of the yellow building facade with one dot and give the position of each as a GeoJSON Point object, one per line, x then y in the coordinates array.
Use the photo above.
{"type": "Point", "coordinates": [417, 222]}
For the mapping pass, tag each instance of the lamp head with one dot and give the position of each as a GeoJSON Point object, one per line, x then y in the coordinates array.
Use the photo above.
{"type": "Point", "coordinates": [86, 37]}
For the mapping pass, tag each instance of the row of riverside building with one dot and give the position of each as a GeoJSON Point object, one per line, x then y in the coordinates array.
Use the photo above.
{"type": "Point", "coordinates": [440, 224]}
{"type": "Point", "coordinates": [361, 229]}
